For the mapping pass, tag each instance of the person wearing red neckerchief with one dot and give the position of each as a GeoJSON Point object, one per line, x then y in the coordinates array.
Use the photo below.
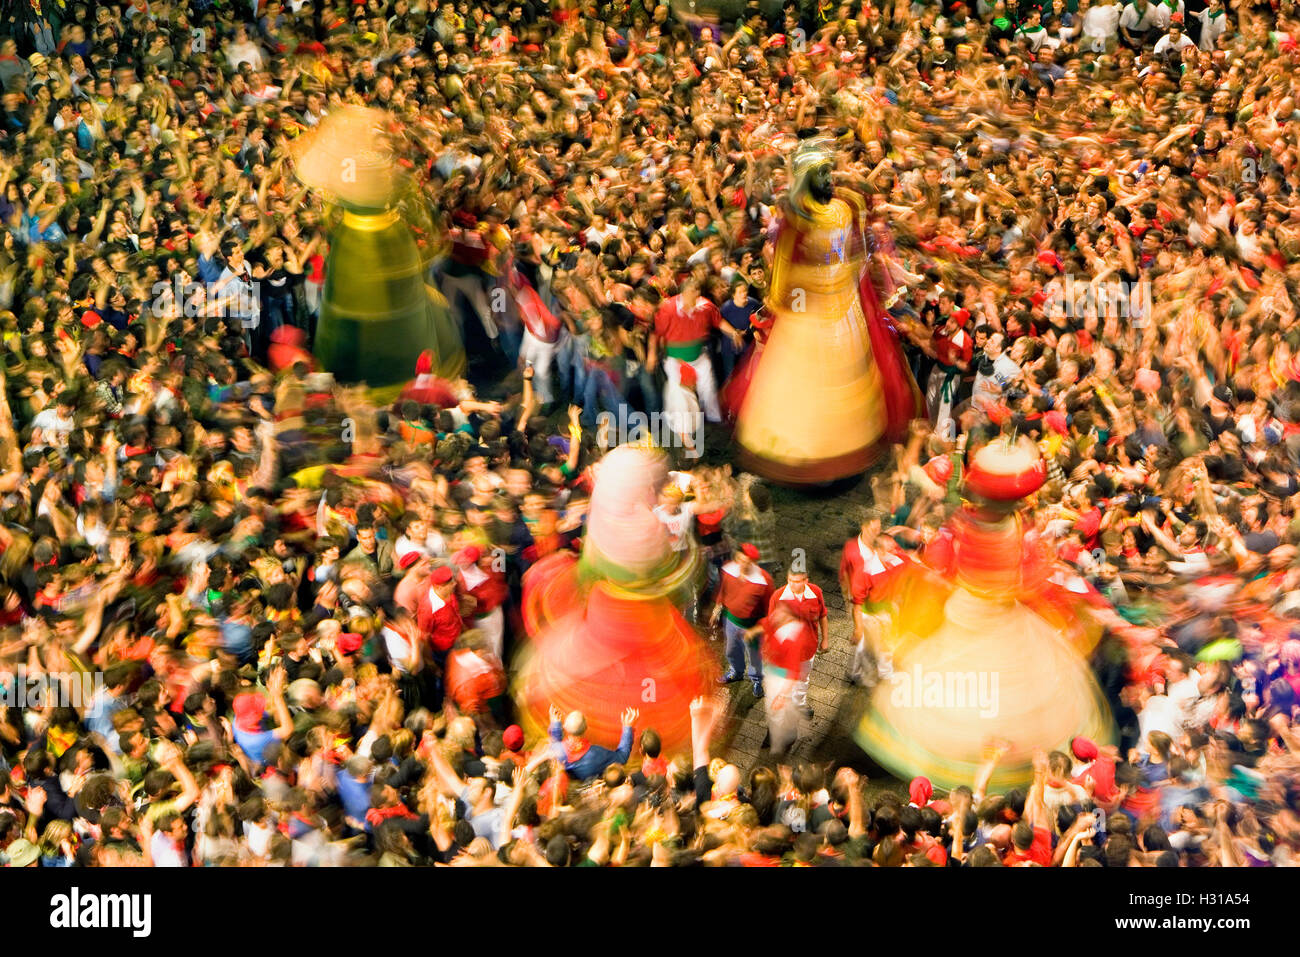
{"type": "Point", "coordinates": [788, 652]}
{"type": "Point", "coordinates": [683, 325]}
{"type": "Point", "coordinates": [952, 348]}
{"type": "Point", "coordinates": [578, 756]}
{"type": "Point", "coordinates": [743, 594]}
{"type": "Point", "coordinates": [438, 614]}
{"type": "Point", "coordinates": [866, 570]}
{"type": "Point", "coordinates": [487, 586]}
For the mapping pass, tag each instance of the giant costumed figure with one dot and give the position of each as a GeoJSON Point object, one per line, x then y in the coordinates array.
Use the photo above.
{"type": "Point", "coordinates": [999, 654]}
{"type": "Point", "coordinates": [606, 631]}
{"type": "Point", "coordinates": [377, 313]}
{"type": "Point", "coordinates": [830, 389]}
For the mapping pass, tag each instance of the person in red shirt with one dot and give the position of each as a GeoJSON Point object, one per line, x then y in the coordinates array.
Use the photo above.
{"type": "Point", "coordinates": [790, 651]}
{"type": "Point", "coordinates": [741, 599]}
{"type": "Point", "coordinates": [487, 586]}
{"type": "Point", "coordinates": [438, 615]}
{"type": "Point", "coordinates": [682, 328]}
{"type": "Point", "coordinates": [1088, 524]}
{"type": "Point", "coordinates": [937, 551]}
{"type": "Point", "coordinates": [952, 348]}
{"type": "Point", "coordinates": [1097, 768]}
{"type": "Point", "coordinates": [512, 745]}
{"type": "Point", "coordinates": [867, 566]}
{"type": "Point", "coordinates": [466, 271]}
{"type": "Point", "coordinates": [476, 679]}
{"type": "Point", "coordinates": [1031, 837]}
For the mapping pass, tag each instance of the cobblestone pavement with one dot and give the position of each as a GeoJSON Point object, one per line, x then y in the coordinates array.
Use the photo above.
{"type": "Point", "coordinates": [819, 521]}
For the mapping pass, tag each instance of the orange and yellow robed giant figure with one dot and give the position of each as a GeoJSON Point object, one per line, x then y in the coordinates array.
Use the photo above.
{"type": "Point", "coordinates": [831, 388]}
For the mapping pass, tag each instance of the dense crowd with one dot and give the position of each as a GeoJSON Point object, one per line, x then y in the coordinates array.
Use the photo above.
{"type": "Point", "coordinates": [297, 610]}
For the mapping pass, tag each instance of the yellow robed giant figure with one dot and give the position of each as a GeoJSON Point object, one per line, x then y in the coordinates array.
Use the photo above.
{"type": "Point", "coordinates": [831, 387]}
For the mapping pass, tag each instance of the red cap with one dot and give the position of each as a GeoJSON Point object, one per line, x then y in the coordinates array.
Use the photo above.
{"type": "Point", "coordinates": [920, 790]}
{"type": "Point", "coordinates": [349, 643]}
{"type": "Point", "coordinates": [1085, 749]}
{"type": "Point", "coordinates": [962, 316]}
{"type": "Point", "coordinates": [939, 469]}
{"type": "Point", "coordinates": [424, 364]}
{"type": "Point", "coordinates": [749, 551]}
{"type": "Point", "coordinates": [938, 855]}
{"type": "Point", "coordinates": [513, 737]}
{"type": "Point", "coordinates": [249, 708]}
{"type": "Point", "coordinates": [467, 555]}
{"type": "Point", "coordinates": [408, 559]}
{"type": "Point", "coordinates": [1056, 420]}
{"type": "Point", "coordinates": [1048, 258]}
{"type": "Point", "coordinates": [440, 575]}
{"type": "Point", "coordinates": [688, 376]}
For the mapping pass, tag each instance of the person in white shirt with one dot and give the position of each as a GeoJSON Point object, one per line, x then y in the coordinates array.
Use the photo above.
{"type": "Point", "coordinates": [1033, 32]}
{"type": "Point", "coordinates": [1166, 10]}
{"type": "Point", "coordinates": [1247, 237]}
{"type": "Point", "coordinates": [55, 422]}
{"type": "Point", "coordinates": [1139, 20]}
{"type": "Point", "coordinates": [235, 289]}
{"type": "Point", "coordinates": [1100, 24]}
{"type": "Point", "coordinates": [415, 538]}
{"type": "Point", "coordinates": [994, 372]}
{"type": "Point", "coordinates": [600, 231]}
{"type": "Point", "coordinates": [1173, 43]}
{"type": "Point", "coordinates": [674, 517]}
{"type": "Point", "coordinates": [242, 50]}
{"type": "Point", "coordinates": [1213, 24]}
{"type": "Point", "coordinates": [1163, 714]}
{"type": "Point", "coordinates": [1180, 683]}
{"type": "Point", "coordinates": [167, 845]}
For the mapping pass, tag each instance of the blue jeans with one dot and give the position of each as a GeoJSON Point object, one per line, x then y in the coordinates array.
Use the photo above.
{"type": "Point", "coordinates": [512, 336]}
{"type": "Point", "coordinates": [598, 392]}
{"type": "Point", "coordinates": [739, 648]}
{"type": "Point", "coordinates": [279, 311]}
{"type": "Point", "coordinates": [730, 355]}
{"type": "Point", "coordinates": [645, 380]}
{"type": "Point", "coordinates": [569, 365]}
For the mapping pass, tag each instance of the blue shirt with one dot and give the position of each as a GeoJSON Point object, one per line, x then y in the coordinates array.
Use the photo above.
{"type": "Point", "coordinates": [739, 316]}
{"type": "Point", "coordinates": [355, 796]}
{"type": "Point", "coordinates": [99, 718]}
{"type": "Point", "coordinates": [595, 759]}
{"type": "Point", "coordinates": [52, 233]}
{"type": "Point", "coordinates": [254, 743]}
{"type": "Point", "coordinates": [237, 639]}
{"type": "Point", "coordinates": [209, 269]}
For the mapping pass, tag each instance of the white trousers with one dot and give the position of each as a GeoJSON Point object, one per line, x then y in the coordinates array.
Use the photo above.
{"type": "Point", "coordinates": [542, 356]}
{"type": "Point", "coordinates": [706, 387]}
{"type": "Point", "coordinates": [784, 694]}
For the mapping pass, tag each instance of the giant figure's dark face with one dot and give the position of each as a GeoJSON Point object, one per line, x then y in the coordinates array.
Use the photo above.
{"type": "Point", "coordinates": [819, 182]}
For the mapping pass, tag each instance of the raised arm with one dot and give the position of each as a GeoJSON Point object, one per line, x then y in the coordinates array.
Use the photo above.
{"type": "Point", "coordinates": [985, 774]}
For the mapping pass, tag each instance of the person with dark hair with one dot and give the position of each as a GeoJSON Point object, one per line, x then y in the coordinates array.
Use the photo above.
{"type": "Point", "coordinates": [741, 600]}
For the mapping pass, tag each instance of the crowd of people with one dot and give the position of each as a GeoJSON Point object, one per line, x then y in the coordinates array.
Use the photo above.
{"type": "Point", "coordinates": [296, 610]}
